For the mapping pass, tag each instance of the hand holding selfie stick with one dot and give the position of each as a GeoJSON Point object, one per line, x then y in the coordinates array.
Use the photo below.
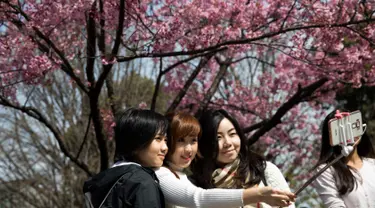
{"type": "Point", "coordinates": [346, 136]}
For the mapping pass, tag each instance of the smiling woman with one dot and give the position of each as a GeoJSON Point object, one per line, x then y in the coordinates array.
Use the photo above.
{"type": "Point", "coordinates": [184, 131]}
{"type": "Point", "coordinates": [154, 154]}
{"type": "Point", "coordinates": [140, 137]}
{"type": "Point", "coordinates": [229, 142]}
{"type": "Point", "coordinates": [226, 162]}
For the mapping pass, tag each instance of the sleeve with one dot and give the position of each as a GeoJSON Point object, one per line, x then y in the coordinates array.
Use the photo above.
{"type": "Point", "coordinates": [147, 195]}
{"type": "Point", "coordinates": [326, 187]}
{"type": "Point", "coordinates": [184, 193]}
{"type": "Point", "coordinates": [276, 179]}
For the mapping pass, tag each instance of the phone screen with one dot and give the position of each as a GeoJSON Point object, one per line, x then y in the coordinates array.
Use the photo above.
{"type": "Point", "coordinates": [355, 119]}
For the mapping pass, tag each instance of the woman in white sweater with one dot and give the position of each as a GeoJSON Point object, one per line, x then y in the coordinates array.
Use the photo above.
{"type": "Point", "coordinates": [183, 134]}
{"type": "Point", "coordinates": [225, 160]}
{"type": "Point", "coordinates": [350, 182]}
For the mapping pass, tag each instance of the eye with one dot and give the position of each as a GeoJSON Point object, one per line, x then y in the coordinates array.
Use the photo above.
{"type": "Point", "coordinates": [232, 133]}
{"type": "Point", "coordinates": [180, 140]}
{"type": "Point", "coordinates": [161, 138]}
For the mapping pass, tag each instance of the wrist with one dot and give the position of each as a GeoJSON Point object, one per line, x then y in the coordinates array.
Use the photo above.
{"type": "Point", "coordinates": [252, 195]}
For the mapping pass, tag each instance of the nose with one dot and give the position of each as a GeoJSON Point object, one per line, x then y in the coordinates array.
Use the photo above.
{"type": "Point", "coordinates": [227, 142]}
{"type": "Point", "coordinates": [188, 148]}
{"type": "Point", "coordinates": [164, 147]}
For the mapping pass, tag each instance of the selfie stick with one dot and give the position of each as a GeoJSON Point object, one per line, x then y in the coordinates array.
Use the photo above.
{"type": "Point", "coordinates": [345, 129]}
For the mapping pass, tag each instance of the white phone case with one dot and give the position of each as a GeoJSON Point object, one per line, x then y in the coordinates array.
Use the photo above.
{"type": "Point", "coordinates": [354, 123]}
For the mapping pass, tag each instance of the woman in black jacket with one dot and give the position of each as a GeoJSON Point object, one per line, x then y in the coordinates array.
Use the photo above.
{"type": "Point", "coordinates": [140, 137]}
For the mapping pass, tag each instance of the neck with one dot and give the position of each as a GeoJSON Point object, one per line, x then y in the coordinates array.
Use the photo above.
{"type": "Point", "coordinates": [174, 167]}
{"type": "Point", "coordinates": [354, 160]}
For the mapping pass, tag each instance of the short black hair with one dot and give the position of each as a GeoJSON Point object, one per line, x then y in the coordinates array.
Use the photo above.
{"type": "Point", "coordinates": [135, 129]}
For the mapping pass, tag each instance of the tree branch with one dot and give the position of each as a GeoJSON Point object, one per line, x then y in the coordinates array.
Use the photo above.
{"type": "Point", "coordinates": [66, 67]}
{"type": "Point", "coordinates": [299, 96]}
{"type": "Point", "coordinates": [254, 126]}
{"type": "Point", "coordinates": [84, 138]}
{"type": "Point", "coordinates": [91, 46]}
{"type": "Point", "coordinates": [188, 83]}
{"type": "Point", "coordinates": [101, 42]}
{"type": "Point", "coordinates": [371, 42]}
{"type": "Point", "coordinates": [111, 94]}
{"type": "Point", "coordinates": [286, 17]}
{"type": "Point", "coordinates": [95, 92]}
{"type": "Point", "coordinates": [34, 113]}
{"type": "Point", "coordinates": [213, 88]}
{"type": "Point", "coordinates": [116, 46]}
{"type": "Point", "coordinates": [243, 41]}
{"type": "Point", "coordinates": [157, 86]}
{"type": "Point", "coordinates": [163, 72]}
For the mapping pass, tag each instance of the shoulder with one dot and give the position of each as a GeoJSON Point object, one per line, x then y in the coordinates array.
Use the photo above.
{"type": "Point", "coordinates": [326, 178]}
{"type": "Point", "coordinates": [369, 164]}
{"type": "Point", "coordinates": [163, 171]}
{"type": "Point", "coordinates": [272, 173]}
{"type": "Point", "coordinates": [369, 160]}
{"type": "Point", "coordinates": [139, 175]}
{"type": "Point", "coordinates": [275, 178]}
{"type": "Point", "coordinates": [271, 168]}
{"type": "Point", "coordinates": [328, 171]}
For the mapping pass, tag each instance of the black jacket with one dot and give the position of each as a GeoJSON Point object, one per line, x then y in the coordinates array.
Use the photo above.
{"type": "Point", "coordinates": [134, 186]}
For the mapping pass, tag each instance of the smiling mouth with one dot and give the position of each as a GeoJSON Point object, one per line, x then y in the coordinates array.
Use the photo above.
{"type": "Point", "coordinates": [186, 158]}
{"type": "Point", "coordinates": [229, 151]}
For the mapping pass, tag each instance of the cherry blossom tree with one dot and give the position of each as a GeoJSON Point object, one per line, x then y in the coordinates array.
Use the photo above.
{"type": "Point", "coordinates": [275, 64]}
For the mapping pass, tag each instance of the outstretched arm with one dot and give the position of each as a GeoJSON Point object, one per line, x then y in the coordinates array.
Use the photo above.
{"type": "Point", "coordinates": [184, 193]}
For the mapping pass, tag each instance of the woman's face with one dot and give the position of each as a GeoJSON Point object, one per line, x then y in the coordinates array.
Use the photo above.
{"type": "Point", "coordinates": [229, 142]}
{"type": "Point", "coordinates": [185, 151]}
{"type": "Point", "coordinates": [153, 155]}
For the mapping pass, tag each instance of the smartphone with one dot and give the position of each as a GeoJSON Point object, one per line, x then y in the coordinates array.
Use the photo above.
{"type": "Point", "coordinates": [336, 131]}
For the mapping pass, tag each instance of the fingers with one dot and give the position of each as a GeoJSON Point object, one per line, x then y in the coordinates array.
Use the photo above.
{"type": "Point", "coordinates": [275, 197]}
{"type": "Point", "coordinates": [277, 201]}
{"type": "Point", "coordinates": [291, 196]}
{"type": "Point", "coordinates": [282, 203]}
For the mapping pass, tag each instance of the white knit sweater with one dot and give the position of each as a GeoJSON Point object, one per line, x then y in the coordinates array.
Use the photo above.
{"type": "Point", "coordinates": [182, 193]}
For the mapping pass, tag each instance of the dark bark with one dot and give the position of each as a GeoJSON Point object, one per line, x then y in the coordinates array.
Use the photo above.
{"type": "Point", "coordinates": [301, 95]}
